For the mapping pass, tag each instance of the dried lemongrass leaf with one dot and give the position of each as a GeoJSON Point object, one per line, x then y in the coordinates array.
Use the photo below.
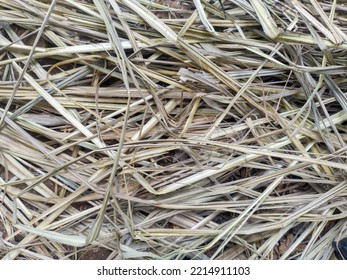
{"type": "Point", "coordinates": [269, 25]}
{"type": "Point", "coordinates": [76, 241]}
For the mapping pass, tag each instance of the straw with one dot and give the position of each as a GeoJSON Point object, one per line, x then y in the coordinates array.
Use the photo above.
{"type": "Point", "coordinates": [172, 129]}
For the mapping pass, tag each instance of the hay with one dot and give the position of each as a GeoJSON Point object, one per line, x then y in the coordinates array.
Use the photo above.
{"type": "Point", "coordinates": [172, 129]}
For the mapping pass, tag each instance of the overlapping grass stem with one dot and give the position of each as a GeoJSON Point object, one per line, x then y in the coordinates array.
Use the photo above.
{"type": "Point", "coordinates": [143, 129]}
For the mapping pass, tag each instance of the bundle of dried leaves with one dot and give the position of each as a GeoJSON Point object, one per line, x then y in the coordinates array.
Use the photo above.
{"type": "Point", "coordinates": [138, 129]}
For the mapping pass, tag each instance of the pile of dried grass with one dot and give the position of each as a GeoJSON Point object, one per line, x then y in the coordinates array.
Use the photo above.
{"type": "Point", "coordinates": [138, 129]}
